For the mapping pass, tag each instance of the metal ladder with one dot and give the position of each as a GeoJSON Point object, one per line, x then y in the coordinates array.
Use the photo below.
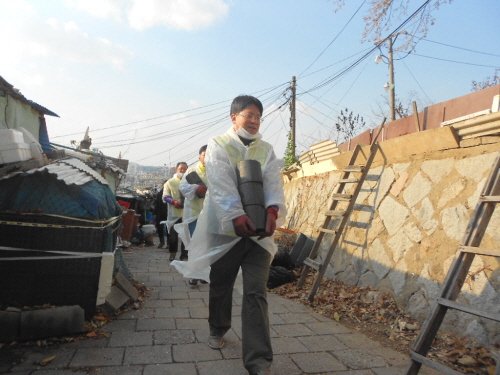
{"type": "Point", "coordinates": [457, 274]}
{"type": "Point", "coordinates": [335, 212]}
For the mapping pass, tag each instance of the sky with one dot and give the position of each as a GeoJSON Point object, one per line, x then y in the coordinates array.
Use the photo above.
{"type": "Point", "coordinates": [153, 80]}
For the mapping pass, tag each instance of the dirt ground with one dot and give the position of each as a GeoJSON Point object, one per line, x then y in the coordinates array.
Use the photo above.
{"type": "Point", "coordinates": [376, 315]}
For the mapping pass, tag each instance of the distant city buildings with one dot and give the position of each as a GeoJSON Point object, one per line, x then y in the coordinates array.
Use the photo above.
{"type": "Point", "coordinates": [144, 177]}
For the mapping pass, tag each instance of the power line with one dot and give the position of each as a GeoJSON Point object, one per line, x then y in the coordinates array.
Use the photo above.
{"type": "Point", "coordinates": [216, 119]}
{"type": "Point", "coordinates": [350, 67]}
{"type": "Point", "coordinates": [266, 91]}
{"type": "Point", "coordinates": [338, 62]}
{"type": "Point", "coordinates": [457, 62]}
{"type": "Point", "coordinates": [416, 81]}
{"type": "Point", "coordinates": [185, 129]}
{"type": "Point", "coordinates": [140, 121]}
{"type": "Point", "coordinates": [460, 48]}
{"type": "Point", "coordinates": [334, 39]}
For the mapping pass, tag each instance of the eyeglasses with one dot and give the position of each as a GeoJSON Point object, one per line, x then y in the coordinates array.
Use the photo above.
{"type": "Point", "coordinates": [251, 117]}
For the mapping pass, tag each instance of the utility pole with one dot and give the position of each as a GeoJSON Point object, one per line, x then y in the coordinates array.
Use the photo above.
{"type": "Point", "coordinates": [392, 94]}
{"type": "Point", "coordinates": [292, 117]}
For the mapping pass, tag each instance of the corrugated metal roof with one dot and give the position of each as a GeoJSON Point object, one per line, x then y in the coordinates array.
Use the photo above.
{"type": "Point", "coordinates": [65, 170]}
{"type": "Point", "coordinates": [9, 89]}
{"type": "Point", "coordinates": [71, 171]}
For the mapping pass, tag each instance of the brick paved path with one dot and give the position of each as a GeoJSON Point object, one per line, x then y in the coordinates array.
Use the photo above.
{"type": "Point", "coordinates": [168, 335]}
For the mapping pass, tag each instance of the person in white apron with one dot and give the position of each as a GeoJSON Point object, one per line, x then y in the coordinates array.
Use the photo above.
{"type": "Point", "coordinates": [225, 238]}
{"type": "Point", "coordinates": [193, 187]}
{"type": "Point", "coordinates": [174, 198]}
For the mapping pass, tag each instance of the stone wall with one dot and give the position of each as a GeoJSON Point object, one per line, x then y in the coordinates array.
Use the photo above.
{"type": "Point", "coordinates": [408, 222]}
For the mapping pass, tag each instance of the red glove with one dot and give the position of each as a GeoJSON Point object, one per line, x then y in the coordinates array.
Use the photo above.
{"type": "Point", "coordinates": [272, 216]}
{"type": "Point", "coordinates": [244, 227]}
{"type": "Point", "coordinates": [201, 191]}
{"type": "Point", "coordinates": [177, 204]}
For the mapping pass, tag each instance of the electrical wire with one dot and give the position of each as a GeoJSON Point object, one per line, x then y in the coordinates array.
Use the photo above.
{"type": "Point", "coordinates": [416, 81]}
{"type": "Point", "coordinates": [265, 92]}
{"type": "Point", "coordinates": [200, 128]}
{"type": "Point", "coordinates": [358, 61]}
{"type": "Point", "coordinates": [457, 62]}
{"type": "Point", "coordinates": [334, 39]}
{"type": "Point", "coordinates": [460, 48]}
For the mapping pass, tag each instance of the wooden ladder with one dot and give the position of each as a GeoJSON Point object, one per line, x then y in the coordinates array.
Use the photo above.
{"type": "Point", "coordinates": [335, 212]}
{"type": "Point", "coordinates": [457, 274]}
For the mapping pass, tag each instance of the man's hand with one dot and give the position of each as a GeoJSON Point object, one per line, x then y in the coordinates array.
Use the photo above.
{"type": "Point", "coordinates": [272, 216]}
{"type": "Point", "coordinates": [243, 226]}
{"type": "Point", "coordinates": [177, 204]}
{"type": "Point", "coordinates": [201, 191]}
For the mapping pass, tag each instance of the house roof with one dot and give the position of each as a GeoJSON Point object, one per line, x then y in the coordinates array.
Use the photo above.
{"type": "Point", "coordinates": [15, 93]}
{"type": "Point", "coordinates": [71, 171]}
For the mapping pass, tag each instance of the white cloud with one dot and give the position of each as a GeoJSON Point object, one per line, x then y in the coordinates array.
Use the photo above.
{"type": "Point", "coordinates": [194, 103]}
{"type": "Point", "coordinates": [99, 8]}
{"type": "Point", "coordinates": [176, 14]}
{"type": "Point", "coordinates": [68, 41]}
{"type": "Point", "coordinates": [143, 14]}
{"type": "Point", "coordinates": [27, 35]}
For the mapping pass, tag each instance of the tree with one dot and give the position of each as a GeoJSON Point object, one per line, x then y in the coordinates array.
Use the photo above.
{"type": "Point", "coordinates": [290, 158]}
{"type": "Point", "coordinates": [402, 107]}
{"type": "Point", "coordinates": [383, 16]}
{"type": "Point", "coordinates": [348, 125]}
{"type": "Point", "coordinates": [488, 82]}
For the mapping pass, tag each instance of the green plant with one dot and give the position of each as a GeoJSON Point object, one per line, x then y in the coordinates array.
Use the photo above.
{"type": "Point", "coordinates": [290, 157]}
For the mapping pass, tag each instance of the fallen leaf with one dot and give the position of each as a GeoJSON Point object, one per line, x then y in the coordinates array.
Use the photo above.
{"type": "Point", "coordinates": [467, 360]}
{"type": "Point", "coordinates": [91, 334]}
{"type": "Point", "coordinates": [336, 316]}
{"type": "Point", "coordinates": [47, 360]}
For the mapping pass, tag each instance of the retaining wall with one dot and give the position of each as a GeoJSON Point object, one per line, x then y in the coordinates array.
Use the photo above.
{"type": "Point", "coordinates": [408, 222]}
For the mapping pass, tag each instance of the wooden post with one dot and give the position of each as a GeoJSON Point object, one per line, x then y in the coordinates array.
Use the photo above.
{"type": "Point", "coordinates": [292, 116]}
{"type": "Point", "coordinates": [415, 115]}
{"type": "Point", "coordinates": [392, 94]}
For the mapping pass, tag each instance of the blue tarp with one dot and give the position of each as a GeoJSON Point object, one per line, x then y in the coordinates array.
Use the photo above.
{"type": "Point", "coordinates": [42, 192]}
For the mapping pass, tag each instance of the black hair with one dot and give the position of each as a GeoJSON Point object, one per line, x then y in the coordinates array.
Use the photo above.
{"type": "Point", "coordinates": [202, 149]}
{"type": "Point", "coordinates": [181, 162]}
{"type": "Point", "coordinates": [242, 102]}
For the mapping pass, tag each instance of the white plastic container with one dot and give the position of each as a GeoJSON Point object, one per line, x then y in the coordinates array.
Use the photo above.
{"type": "Point", "coordinates": [14, 152]}
{"type": "Point", "coordinates": [148, 229]}
{"type": "Point", "coordinates": [9, 136]}
{"type": "Point", "coordinates": [35, 147]}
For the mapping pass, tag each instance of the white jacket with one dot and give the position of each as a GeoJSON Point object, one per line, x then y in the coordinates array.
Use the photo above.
{"type": "Point", "coordinates": [192, 203]}
{"type": "Point", "coordinates": [214, 234]}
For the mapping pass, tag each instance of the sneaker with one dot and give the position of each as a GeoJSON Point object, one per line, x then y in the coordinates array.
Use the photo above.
{"type": "Point", "coordinates": [193, 281]}
{"type": "Point", "coordinates": [161, 244]}
{"type": "Point", "coordinates": [183, 258]}
{"type": "Point", "coordinates": [215, 342]}
{"type": "Point", "coordinates": [172, 257]}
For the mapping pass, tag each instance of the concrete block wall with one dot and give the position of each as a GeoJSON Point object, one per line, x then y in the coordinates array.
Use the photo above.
{"type": "Point", "coordinates": [408, 222]}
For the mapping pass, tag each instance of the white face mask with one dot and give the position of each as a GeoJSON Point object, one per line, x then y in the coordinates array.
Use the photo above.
{"type": "Point", "coordinates": [244, 134]}
{"type": "Point", "coordinates": [179, 174]}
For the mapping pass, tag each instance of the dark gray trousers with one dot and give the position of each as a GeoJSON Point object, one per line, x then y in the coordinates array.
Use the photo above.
{"type": "Point", "coordinates": [254, 262]}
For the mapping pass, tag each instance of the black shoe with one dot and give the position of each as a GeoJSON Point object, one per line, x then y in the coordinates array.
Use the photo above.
{"type": "Point", "coordinates": [193, 281]}
{"type": "Point", "coordinates": [203, 281]}
{"type": "Point", "coordinates": [183, 258]}
{"type": "Point", "coordinates": [215, 342]}
{"type": "Point", "coordinates": [172, 257]}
